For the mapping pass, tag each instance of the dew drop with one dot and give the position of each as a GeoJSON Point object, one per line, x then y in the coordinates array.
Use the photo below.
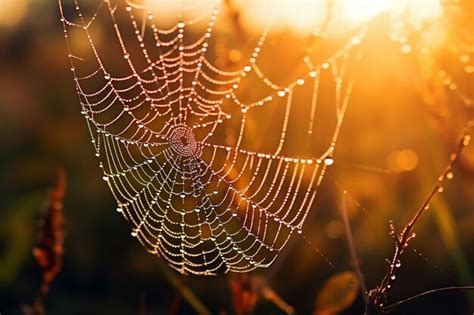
{"type": "Point", "coordinates": [393, 277]}
{"type": "Point", "coordinates": [466, 140]}
{"type": "Point", "coordinates": [329, 161]}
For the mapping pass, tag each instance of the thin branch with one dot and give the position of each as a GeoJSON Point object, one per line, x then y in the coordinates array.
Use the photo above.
{"type": "Point", "coordinates": [392, 306]}
{"type": "Point", "coordinates": [378, 295]}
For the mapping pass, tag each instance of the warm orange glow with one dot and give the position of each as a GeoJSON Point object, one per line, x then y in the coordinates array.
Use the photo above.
{"type": "Point", "coordinates": [402, 161]}
{"type": "Point", "coordinates": [306, 15]}
{"type": "Point", "coordinates": [12, 11]}
{"type": "Point", "coordinates": [363, 10]}
{"type": "Point", "coordinates": [300, 15]}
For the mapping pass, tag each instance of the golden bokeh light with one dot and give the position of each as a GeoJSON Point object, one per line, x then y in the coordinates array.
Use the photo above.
{"type": "Point", "coordinates": [12, 11]}
{"type": "Point", "coordinates": [402, 161]}
{"type": "Point", "coordinates": [307, 16]}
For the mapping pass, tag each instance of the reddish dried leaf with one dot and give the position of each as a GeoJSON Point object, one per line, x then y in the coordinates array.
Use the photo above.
{"type": "Point", "coordinates": [49, 248]}
{"type": "Point", "coordinates": [244, 295]}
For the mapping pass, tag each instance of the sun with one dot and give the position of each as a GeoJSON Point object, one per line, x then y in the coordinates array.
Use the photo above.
{"type": "Point", "coordinates": [363, 10]}
{"type": "Point", "coordinates": [308, 15]}
{"type": "Point", "coordinates": [360, 11]}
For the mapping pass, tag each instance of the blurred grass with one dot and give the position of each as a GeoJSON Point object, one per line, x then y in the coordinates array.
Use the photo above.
{"type": "Point", "coordinates": [447, 228]}
{"type": "Point", "coordinates": [16, 237]}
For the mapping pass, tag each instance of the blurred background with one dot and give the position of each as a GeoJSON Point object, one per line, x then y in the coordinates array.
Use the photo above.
{"type": "Point", "coordinates": [412, 98]}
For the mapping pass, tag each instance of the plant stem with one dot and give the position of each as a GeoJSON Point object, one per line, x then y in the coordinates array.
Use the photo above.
{"type": "Point", "coordinates": [352, 250]}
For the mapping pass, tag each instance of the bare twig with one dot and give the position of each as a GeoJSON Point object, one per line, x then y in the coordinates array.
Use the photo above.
{"type": "Point", "coordinates": [378, 296]}
{"type": "Point", "coordinates": [394, 305]}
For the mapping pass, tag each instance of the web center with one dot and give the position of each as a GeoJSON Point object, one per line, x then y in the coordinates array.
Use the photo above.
{"type": "Point", "coordinates": [183, 142]}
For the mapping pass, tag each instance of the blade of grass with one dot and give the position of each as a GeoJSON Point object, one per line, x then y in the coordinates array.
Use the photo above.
{"type": "Point", "coordinates": [352, 250]}
{"type": "Point", "coordinates": [184, 291]}
{"type": "Point", "coordinates": [447, 226]}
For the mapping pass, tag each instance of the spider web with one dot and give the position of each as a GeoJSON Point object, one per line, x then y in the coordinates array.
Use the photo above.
{"type": "Point", "coordinates": [157, 106]}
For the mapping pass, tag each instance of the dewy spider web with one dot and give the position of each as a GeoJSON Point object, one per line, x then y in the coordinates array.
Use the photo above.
{"type": "Point", "coordinates": [206, 207]}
